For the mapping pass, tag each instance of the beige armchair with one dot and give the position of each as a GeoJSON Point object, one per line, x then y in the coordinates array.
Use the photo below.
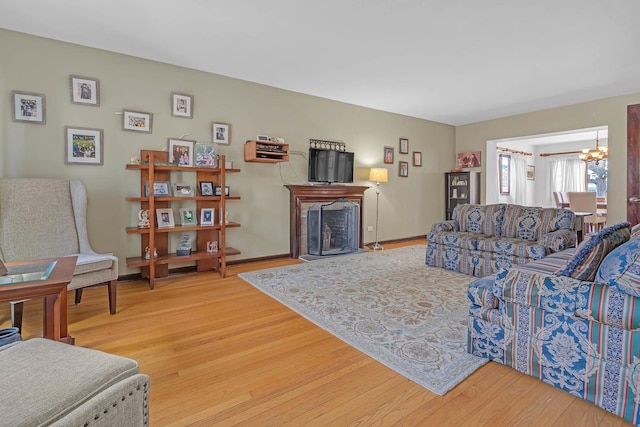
{"type": "Point", "coordinates": [46, 218]}
{"type": "Point", "coordinates": [586, 201]}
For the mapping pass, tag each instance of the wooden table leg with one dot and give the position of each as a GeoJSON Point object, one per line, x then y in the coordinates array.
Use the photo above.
{"type": "Point", "coordinates": [55, 323]}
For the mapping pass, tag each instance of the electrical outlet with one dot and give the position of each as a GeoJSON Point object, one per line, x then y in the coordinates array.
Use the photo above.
{"type": "Point", "coordinates": [370, 228]}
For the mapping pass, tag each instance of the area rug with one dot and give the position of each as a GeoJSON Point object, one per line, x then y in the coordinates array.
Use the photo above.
{"type": "Point", "coordinates": [387, 304]}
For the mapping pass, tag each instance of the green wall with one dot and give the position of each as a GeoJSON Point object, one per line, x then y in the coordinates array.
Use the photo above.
{"type": "Point", "coordinates": [408, 206]}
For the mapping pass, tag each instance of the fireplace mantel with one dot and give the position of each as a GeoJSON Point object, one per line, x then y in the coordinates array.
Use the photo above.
{"type": "Point", "coordinates": [310, 194]}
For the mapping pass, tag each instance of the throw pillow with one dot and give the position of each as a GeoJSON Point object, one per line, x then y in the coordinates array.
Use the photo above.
{"type": "Point", "coordinates": [621, 268]}
{"type": "Point", "coordinates": [590, 253]}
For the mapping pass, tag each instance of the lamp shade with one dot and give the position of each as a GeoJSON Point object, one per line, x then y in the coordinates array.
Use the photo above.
{"type": "Point", "coordinates": [378, 174]}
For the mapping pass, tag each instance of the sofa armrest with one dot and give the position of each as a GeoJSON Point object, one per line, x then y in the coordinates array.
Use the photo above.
{"type": "Point", "coordinates": [444, 226]}
{"type": "Point", "coordinates": [555, 294]}
{"type": "Point", "coordinates": [558, 240]}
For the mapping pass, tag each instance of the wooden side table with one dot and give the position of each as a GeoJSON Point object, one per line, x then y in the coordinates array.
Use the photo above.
{"type": "Point", "coordinates": [47, 279]}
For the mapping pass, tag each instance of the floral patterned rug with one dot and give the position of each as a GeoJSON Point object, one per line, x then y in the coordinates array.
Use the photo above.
{"type": "Point", "coordinates": [387, 304]}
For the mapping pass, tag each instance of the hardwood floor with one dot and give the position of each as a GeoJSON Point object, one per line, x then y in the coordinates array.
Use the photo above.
{"type": "Point", "coordinates": [220, 352]}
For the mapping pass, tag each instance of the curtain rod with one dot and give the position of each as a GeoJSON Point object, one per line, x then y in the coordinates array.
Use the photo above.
{"type": "Point", "coordinates": [524, 153]}
{"type": "Point", "coordinates": [559, 154]}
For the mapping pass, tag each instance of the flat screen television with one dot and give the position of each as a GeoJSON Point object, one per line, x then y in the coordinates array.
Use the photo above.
{"type": "Point", "coordinates": [330, 166]}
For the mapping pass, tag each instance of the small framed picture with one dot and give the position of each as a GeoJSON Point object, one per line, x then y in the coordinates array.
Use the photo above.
{"type": "Point", "coordinates": [218, 191]}
{"type": "Point", "coordinates": [206, 188]}
{"type": "Point", "coordinates": [206, 155]}
{"type": "Point", "coordinates": [181, 105]}
{"type": "Point", "coordinates": [388, 155]}
{"type": "Point", "coordinates": [403, 169]}
{"type": "Point", "coordinates": [188, 217]}
{"type": "Point", "coordinates": [28, 107]}
{"type": "Point", "coordinates": [404, 146]}
{"type": "Point", "coordinates": [221, 133]}
{"type": "Point", "coordinates": [165, 218]}
{"type": "Point", "coordinates": [183, 190]}
{"type": "Point", "coordinates": [83, 146]}
{"type": "Point", "coordinates": [206, 216]}
{"type": "Point", "coordinates": [85, 91]}
{"type": "Point", "coordinates": [417, 158]}
{"type": "Point", "coordinates": [181, 152]}
{"type": "Point", "coordinates": [136, 121]}
{"type": "Point", "coordinates": [160, 189]}
{"type": "Point", "coordinates": [531, 172]}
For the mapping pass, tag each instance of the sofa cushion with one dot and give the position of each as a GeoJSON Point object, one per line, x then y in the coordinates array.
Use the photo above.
{"type": "Point", "coordinates": [530, 223]}
{"type": "Point", "coordinates": [592, 251]}
{"type": "Point", "coordinates": [456, 239]}
{"type": "Point", "coordinates": [621, 268]}
{"type": "Point", "coordinates": [480, 292]}
{"type": "Point", "coordinates": [480, 219]}
{"type": "Point", "coordinates": [513, 247]}
{"type": "Point", "coordinates": [558, 240]}
{"type": "Point", "coordinates": [604, 304]}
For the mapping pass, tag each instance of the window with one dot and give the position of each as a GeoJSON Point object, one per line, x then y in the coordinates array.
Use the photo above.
{"type": "Point", "coordinates": [597, 175]}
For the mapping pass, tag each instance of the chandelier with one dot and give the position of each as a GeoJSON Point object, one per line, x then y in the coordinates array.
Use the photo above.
{"type": "Point", "coordinates": [595, 155]}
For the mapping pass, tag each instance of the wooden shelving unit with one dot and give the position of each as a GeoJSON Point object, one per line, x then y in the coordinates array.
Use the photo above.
{"type": "Point", "coordinates": [461, 187]}
{"type": "Point", "coordinates": [158, 238]}
{"type": "Point", "coordinates": [266, 152]}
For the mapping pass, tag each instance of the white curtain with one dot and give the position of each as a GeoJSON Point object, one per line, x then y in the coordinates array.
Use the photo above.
{"type": "Point", "coordinates": [566, 174]}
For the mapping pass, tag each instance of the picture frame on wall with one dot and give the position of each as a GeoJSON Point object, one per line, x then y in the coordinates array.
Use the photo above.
{"type": "Point", "coordinates": [137, 121]}
{"type": "Point", "coordinates": [531, 172]}
{"type": "Point", "coordinates": [181, 152]}
{"type": "Point", "coordinates": [404, 146]}
{"type": "Point", "coordinates": [417, 158]}
{"type": "Point", "coordinates": [403, 169]}
{"type": "Point", "coordinates": [28, 107]}
{"type": "Point", "coordinates": [470, 159]}
{"type": "Point", "coordinates": [85, 91]}
{"type": "Point", "coordinates": [221, 133]}
{"type": "Point", "coordinates": [181, 105]}
{"type": "Point", "coordinates": [504, 164]}
{"type": "Point", "coordinates": [388, 155]}
{"type": "Point", "coordinates": [83, 146]}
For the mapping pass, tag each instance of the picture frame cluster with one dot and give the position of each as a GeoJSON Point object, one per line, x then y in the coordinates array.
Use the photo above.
{"type": "Point", "coordinates": [403, 148]}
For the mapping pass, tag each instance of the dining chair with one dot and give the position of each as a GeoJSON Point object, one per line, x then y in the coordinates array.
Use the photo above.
{"type": "Point", "coordinates": [585, 201]}
{"type": "Point", "coordinates": [558, 200]}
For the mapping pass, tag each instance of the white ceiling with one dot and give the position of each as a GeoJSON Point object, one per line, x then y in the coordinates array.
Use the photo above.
{"type": "Point", "coordinates": [451, 61]}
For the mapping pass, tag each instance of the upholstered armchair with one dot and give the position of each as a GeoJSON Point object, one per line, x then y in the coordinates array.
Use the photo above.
{"type": "Point", "coordinates": [47, 218]}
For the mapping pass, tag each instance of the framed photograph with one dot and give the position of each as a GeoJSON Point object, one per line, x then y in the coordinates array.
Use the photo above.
{"type": "Point", "coordinates": [85, 91]}
{"type": "Point", "coordinates": [206, 188]}
{"type": "Point", "coordinates": [183, 190]}
{"type": "Point", "coordinates": [504, 163]}
{"type": "Point", "coordinates": [206, 216]}
{"type": "Point", "coordinates": [403, 169]}
{"type": "Point", "coordinates": [469, 159]}
{"type": "Point", "coordinates": [404, 146]}
{"type": "Point", "coordinates": [181, 152]}
{"type": "Point", "coordinates": [83, 146]}
{"type": "Point", "coordinates": [165, 218]}
{"type": "Point", "coordinates": [136, 121]}
{"type": "Point", "coordinates": [188, 217]}
{"type": "Point", "coordinates": [218, 191]}
{"type": "Point", "coordinates": [221, 133]}
{"type": "Point", "coordinates": [28, 107]}
{"type": "Point", "coordinates": [160, 189]}
{"type": "Point", "coordinates": [531, 172]}
{"type": "Point", "coordinates": [206, 156]}
{"type": "Point", "coordinates": [388, 155]}
{"type": "Point", "coordinates": [181, 105]}
{"type": "Point", "coordinates": [417, 158]}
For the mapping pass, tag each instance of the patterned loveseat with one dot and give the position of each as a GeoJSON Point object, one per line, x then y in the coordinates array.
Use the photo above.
{"type": "Point", "coordinates": [571, 319]}
{"type": "Point", "coordinates": [482, 239]}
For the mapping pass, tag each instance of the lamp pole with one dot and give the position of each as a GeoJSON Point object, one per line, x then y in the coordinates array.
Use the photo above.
{"type": "Point", "coordinates": [377, 246]}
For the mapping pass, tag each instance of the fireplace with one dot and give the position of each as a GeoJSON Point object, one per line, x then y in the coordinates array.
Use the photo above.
{"type": "Point", "coordinates": [302, 197]}
{"type": "Point", "coordinates": [333, 228]}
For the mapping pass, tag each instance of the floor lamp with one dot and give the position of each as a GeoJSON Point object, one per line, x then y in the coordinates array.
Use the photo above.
{"type": "Point", "coordinates": [378, 175]}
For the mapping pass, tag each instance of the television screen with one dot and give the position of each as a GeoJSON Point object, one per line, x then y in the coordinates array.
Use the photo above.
{"type": "Point", "coordinates": [330, 166]}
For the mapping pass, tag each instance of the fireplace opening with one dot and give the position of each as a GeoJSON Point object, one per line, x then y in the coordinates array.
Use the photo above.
{"type": "Point", "coordinates": [333, 228]}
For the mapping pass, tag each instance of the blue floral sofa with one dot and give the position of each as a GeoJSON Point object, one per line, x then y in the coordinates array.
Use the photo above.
{"type": "Point", "coordinates": [483, 239]}
{"type": "Point", "coordinates": [571, 319]}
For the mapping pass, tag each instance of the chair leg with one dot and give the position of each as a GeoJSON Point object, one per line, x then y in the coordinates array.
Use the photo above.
{"type": "Point", "coordinates": [16, 314]}
{"type": "Point", "coordinates": [78, 295]}
{"type": "Point", "coordinates": [112, 296]}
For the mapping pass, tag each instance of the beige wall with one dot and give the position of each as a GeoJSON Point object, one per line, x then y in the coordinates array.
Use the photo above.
{"type": "Point", "coordinates": [408, 206]}
{"type": "Point", "coordinates": [611, 112]}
